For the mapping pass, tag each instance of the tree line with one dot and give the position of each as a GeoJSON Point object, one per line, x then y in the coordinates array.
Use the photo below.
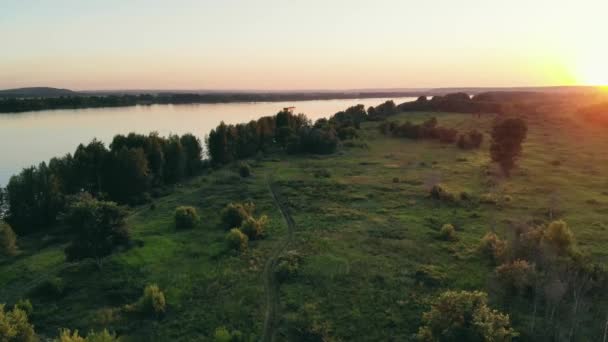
{"type": "Point", "coordinates": [133, 167]}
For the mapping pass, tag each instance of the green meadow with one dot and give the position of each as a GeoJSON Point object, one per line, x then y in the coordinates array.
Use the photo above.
{"type": "Point", "coordinates": [365, 236]}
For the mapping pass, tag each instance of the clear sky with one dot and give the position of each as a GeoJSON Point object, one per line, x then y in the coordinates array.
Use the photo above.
{"type": "Point", "coordinates": [301, 44]}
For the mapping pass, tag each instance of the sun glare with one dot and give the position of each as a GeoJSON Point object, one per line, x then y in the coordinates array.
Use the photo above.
{"type": "Point", "coordinates": [593, 69]}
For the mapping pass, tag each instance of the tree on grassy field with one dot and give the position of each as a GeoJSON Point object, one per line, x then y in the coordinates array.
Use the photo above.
{"type": "Point", "coordinates": [98, 227]}
{"type": "Point", "coordinates": [464, 316]}
{"type": "Point", "coordinates": [175, 160]}
{"type": "Point", "coordinates": [507, 138]}
{"type": "Point", "coordinates": [186, 217]}
{"type": "Point", "coordinates": [8, 239]}
{"type": "Point", "coordinates": [126, 174]}
{"type": "Point", "coordinates": [193, 150]}
{"type": "Point", "coordinates": [234, 214]}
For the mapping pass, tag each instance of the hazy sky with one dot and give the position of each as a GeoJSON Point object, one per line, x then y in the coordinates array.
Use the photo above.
{"type": "Point", "coordinates": [308, 44]}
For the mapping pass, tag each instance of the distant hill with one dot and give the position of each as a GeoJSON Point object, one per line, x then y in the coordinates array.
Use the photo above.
{"type": "Point", "coordinates": [37, 92]}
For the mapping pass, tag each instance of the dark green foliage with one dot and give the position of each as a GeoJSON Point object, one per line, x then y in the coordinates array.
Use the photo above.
{"type": "Point", "coordinates": [193, 151]}
{"type": "Point", "coordinates": [34, 198]}
{"type": "Point", "coordinates": [351, 117]}
{"type": "Point", "coordinates": [8, 240]}
{"type": "Point", "coordinates": [175, 160]}
{"type": "Point", "coordinates": [448, 233]}
{"type": "Point", "coordinates": [126, 174]}
{"type": "Point", "coordinates": [152, 302]}
{"type": "Point", "coordinates": [345, 133]}
{"type": "Point", "coordinates": [244, 170]}
{"type": "Point", "coordinates": [471, 140]}
{"type": "Point", "coordinates": [313, 140]}
{"type": "Point", "coordinates": [88, 166]}
{"type": "Point", "coordinates": [98, 228]}
{"type": "Point", "coordinates": [186, 217]}
{"type": "Point", "coordinates": [430, 275]}
{"type": "Point", "coordinates": [447, 135]}
{"type": "Point", "coordinates": [254, 228]}
{"type": "Point", "coordinates": [66, 335]}
{"type": "Point", "coordinates": [25, 305]}
{"type": "Point", "coordinates": [51, 288]}
{"type": "Point", "coordinates": [382, 111]}
{"type": "Point", "coordinates": [441, 193]}
{"type": "Point", "coordinates": [288, 266]}
{"type": "Point", "coordinates": [234, 214]}
{"type": "Point", "coordinates": [507, 137]}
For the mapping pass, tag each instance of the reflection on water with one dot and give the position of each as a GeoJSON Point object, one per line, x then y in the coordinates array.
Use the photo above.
{"type": "Point", "coordinates": [29, 138]}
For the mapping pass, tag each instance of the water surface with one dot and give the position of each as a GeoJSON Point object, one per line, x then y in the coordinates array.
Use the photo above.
{"type": "Point", "coordinates": [29, 138]}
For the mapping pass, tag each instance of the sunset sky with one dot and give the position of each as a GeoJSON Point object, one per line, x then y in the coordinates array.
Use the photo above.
{"type": "Point", "coordinates": [308, 44]}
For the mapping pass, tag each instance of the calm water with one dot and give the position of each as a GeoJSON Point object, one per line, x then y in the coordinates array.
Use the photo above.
{"type": "Point", "coordinates": [29, 138]}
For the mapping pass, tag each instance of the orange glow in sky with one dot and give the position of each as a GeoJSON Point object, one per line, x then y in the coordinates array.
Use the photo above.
{"type": "Point", "coordinates": [313, 44]}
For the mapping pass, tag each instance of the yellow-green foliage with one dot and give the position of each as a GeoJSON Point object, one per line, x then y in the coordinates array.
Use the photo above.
{"type": "Point", "coordinates": [222, 335]}
{"type": "Point", "coordinates": [516, 276]}
{"type": "Point", "coordinates": [25, 305]}
{"type": "Point", "coordinates": [186, 217]}
{"type": "Point", "coordinates": [448, 232]}
{"type": "Point", "coordinates": [15, 327]}
{"type": "Point", "coordinates": [488, 199]}
{"type": "Point", "coordinates": [254, 228]}
{"type": "Point", "coordinates": [65, 335]}
{"type": "Point", "coordinates": [464, 316]}
{"type": "Point", "coordinates": [237, 240]}
{"type": "Point", "coordinates": [152, 302]}
{"type": "Point", "coordinates": [8, 240]}
{"type": "Point", "coordinates": [492, 246]}
{"type": "Point", "coordinates": [559, 236]}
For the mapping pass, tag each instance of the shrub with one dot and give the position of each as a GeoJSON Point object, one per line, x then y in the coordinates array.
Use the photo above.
{"type": "Point", "coordinates": [237, 240]}
{"type": "Point", "coordinates": [448, 233]}
{"type": "Point", "coordinates": [470, 140]}
{"type": "Point", "coordinates": [65, 335]}
{"type": "Point", "coordinates": [345, 133]}
{"type": "Point", "coordinates": [50, 288]}
{"type": "Point", "coordinates": [186, 217]}
{"type": "Point", "coordinates": [244, 170]}
{"type": "Point", "coordinates": [429, 275]}
{"type": "Point", "coordinates": [492, 246]}
{"type": "Point", "coordinates": [26, 306]}
{"type": "Point", "coordinates": [222, 334]}
{"type": "Point", "coordinates": [152, 301]}
{"type": "Point", "coordinates": [234, 214]}
{"type": "Point", "coordinates": [254, 229]}
{"type": "Point", "coordinates": [559, 236]}
{"type": "Point", "coordinates": [516, 276]}
{"type": "Point", "coordinates": [15, 326]}
{"type": "Point", "coordinates": [488, 199]}
{"type": "Point", "coordinates": [288, 265]}
{"type": "Point", "coordinates": [8, 240]}
{"type": "Point", "coordinates": [395, 179]}
{"type": "Point", "coordinates": [464, 316]}
{"type": "Point", "coordinates": [439, 192]}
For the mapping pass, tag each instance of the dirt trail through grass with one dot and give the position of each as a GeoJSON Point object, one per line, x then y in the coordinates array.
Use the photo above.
{"type": "Point", "coordinates": [271, 286]}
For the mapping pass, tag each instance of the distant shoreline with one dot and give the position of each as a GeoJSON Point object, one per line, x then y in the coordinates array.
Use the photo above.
{"type": "Point", "coordinates": [32, 104]}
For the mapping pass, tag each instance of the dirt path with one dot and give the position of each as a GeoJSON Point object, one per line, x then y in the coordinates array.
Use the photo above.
{"type": "Point", "coordinates": [271, 286]}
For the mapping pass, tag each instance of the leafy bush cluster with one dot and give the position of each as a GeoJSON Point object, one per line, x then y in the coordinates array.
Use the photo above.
{"type": "Point", "coordinates": [186, 217]}
{"type": "Point", "coordinates": [133, 166]}
{"type": "Point", "coordinates": [426, 130]}
{"type": "Point", "coordinates": [239, 218]}
{"type": "Point", "coordinates": [464, 316]}
{"type": "Point", "coordinates": [442, 193]}
{"type": "Point", "coordinates": [66, 335]}
{"type": "Point", "coordinates": [8, 240]}
{"type": "Point", "coordinates": [507, 138]}
{"type": "Point", "coordinates": [471, 140]}
{"type": "Point", "coordinates": [151, 303]}
{"type": "Point", "coordinates": [15, 325]}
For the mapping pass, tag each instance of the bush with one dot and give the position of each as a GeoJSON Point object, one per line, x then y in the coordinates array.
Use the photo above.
{"type": "Point", "coordinates": [50, 288]}
{"type": "Point", "coordinates": [345, 133]}
{"type": "Point", "coordinates": [516, 276]}
{"type": "Point", "coordinates": [234, 214]}
{"type": "Point", "coordinates": [152, 302]}
{"type": "Point", "coordinates": [65, 335]}
{"type": "Point", "coordinates": [492, 246]}
{"type": "Point", "coordinates": [222, 334]}
{"type": "Point", "coordinates": [244, 170]}
{"type": "Point", "coordinates": [559, 236]}
{"type": "Point", "coordinates": [447, 135]}
{"type": "Point", "coordinates": [507, 138]}
{"type": "Point", "coordinates": [488, 199]}
{"type": "Point", "coordinates": [8, 240]}
{"type": "Point", "coordinates": [26, 306]}
{"type": "Point", "coordinates": [395, 179]}
{"type": "Point", "coordinates": [254, 229]}
{"type": "Point", "coordinates": [471, 140]}
{"type": "Point", "coordinates": [464, 316]}
{"type": "Point", "coordinates": [439, 192]}
{"type": "Point", "coordinates": [237, 240]}
{"type": "Point", "coordinates": [448, 233]}
{"type": "Point", "coordinates": [288, 266]}
{"type": "Point", "coordinates": [429, 275]}
{"type": "Point", "coordinates": [15, 326]}
{"type": "Point", "coordinates": [186, 217]}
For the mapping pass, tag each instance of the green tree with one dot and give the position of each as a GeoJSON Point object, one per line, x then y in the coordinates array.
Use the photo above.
{"type": "Point", "coordinates": [88, 166]}
{"type": "Point", "coordinates": [98, 228]}
{"type": "Point", "coordinates": [193, 151]}
{"type": "Point", "coordinates": [175, 160]}
{"type": "Point", "coordinates": [127, 174]}
{"type": "Point", "coordinates": [507, 138]}
{"type": "Point", "coordinates": [237, 240]}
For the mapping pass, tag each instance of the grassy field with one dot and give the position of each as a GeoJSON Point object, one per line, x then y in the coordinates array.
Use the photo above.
{"type": "Point", "coordinates": [365, 230]}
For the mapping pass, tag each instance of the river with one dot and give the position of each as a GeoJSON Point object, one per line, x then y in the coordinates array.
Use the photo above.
{"type": "Point", "coordinates": [29, 138]}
